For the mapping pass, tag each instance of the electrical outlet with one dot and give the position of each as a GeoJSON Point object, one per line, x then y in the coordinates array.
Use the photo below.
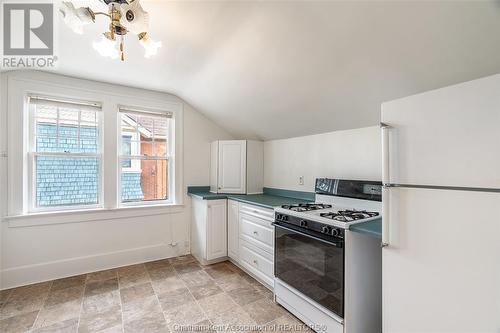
{"type": "Point", "coordinates": [301, 180]}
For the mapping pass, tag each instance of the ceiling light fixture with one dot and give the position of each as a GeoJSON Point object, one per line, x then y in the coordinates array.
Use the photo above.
{"type": "Point", "coordinates": [125, 16]}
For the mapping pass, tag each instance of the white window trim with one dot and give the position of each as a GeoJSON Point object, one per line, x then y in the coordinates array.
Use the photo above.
{"type": "Point", "coordinates": [169, 158]}
{"type": "Point", "coordinates": [21, 84]}
{"type": "Point", "coordinates": [32, 208]}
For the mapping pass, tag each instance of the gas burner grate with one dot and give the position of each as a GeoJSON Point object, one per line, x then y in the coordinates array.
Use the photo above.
{"type": "Point", "coordinates": [349, 215]}
{"type": "Point", "coordinates": [306, 207]}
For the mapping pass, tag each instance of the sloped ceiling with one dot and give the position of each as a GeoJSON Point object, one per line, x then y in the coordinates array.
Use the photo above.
{"type": "Point", "coordinates": [280, 69]}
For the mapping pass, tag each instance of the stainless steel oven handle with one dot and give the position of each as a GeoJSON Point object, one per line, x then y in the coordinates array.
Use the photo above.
{"type": "Point", "coordinates": [337, 244]}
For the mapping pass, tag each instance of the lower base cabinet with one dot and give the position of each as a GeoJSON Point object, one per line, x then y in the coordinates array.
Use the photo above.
{"type": "Point", "coordinates": [209, 230]}
{"type": "Point", "coordinates": [243, 232]}
{"type": "Point", "coordinates": [255, 241]}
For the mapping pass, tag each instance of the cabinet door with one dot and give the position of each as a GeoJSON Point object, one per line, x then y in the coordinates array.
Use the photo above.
{"type": "Point", "coordinates": [216, 229]}
{"type": "Point", "coordinates": [232, 166]}
{"type": "Point", "coordinates": [232, 229]}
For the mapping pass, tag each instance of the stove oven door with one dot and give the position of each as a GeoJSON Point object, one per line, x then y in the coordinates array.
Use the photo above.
{"type": "Point", "coordinates": [312, 266]}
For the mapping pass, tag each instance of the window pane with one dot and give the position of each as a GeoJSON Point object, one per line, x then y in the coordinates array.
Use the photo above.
{"type": "Point", "coordinates": [126, 150]}
{"type": "Point", "coordinates": [65, 129]}
{"type": "Point", "coordinates": [149, 181]}
{"type": "Point", "coordinates": [160, 148]}
{"type": "Point", "coordinates": [64, 181]}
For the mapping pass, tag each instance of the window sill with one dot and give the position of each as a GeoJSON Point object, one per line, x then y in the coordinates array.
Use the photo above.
{"type": "Point", "coordinates": [89, 215]}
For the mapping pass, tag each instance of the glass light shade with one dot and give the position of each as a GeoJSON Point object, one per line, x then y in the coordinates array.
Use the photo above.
{"type": "Point", "coordinates": [75, 18]}
{"type": "Point", "coordinates": [150, 46]}
{"type": "Point", "coordinates": [107, 47]}
{"type": "Point", "coordinates": [134, 18]}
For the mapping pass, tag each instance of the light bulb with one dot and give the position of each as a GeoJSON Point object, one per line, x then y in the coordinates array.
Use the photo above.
{"type": "Point", "coordinates": [150, 46]}
{"type": "Point", "coordinates": [107, 47]}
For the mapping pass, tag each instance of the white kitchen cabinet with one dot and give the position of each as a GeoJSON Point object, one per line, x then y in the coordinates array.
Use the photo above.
{"type": "Point", "coordinates": [209, 230]}
{"type": "Point", "coordinates": [256, 242]}
{"type": "Point", "coordinates": [233, 209]}
{"type": "Point", "coordinates": [236, 166]}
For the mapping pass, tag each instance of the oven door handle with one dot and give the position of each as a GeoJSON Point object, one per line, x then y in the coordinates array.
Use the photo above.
{"type": "Point", "coordinates": [336, 244]}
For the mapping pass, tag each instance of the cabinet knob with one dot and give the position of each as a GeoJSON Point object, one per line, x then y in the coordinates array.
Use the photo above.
{"type": "Point", "coordinates": [255, 262]}
{"type": "Point", "coordinates": [255, 233]}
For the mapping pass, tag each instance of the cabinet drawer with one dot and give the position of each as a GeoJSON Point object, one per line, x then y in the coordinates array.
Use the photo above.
{"type": "Point", "coordinates": [263, 213]}
{"type": "Point", "coordinates": [255, 229]}
{"type": "Point", "coordinates": [257, 261]}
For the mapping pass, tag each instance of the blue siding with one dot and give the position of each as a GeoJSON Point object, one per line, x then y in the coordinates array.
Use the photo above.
{"type": "Point", "coordinates": [73, 180]}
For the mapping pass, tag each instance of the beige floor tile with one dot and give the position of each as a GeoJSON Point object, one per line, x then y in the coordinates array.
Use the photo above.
{"type": "Point", "coordinates": [132, 279]}
{"type": "Point", "coordinates": [33, 291]}
{"type": "Point", "coordinates": [216, 304]}
{"type": "Point", "coordinates": [132, 269]}
{"type": "Point", "coordinates": [168, 284]}
{"type": "Point", "coordinates": [141, 308]}
{"type": "Point", "coordinates": [102, 275]}
{"type": "Point", "coordinates": [19, 305]}
{"type": "Point", "coordinates": [175, 298]}
{"type": "Point", "coordinates": [264, 311]}
{"type": "Point", "coordinates": [182, 259]}
{"type": "Point", "coordinates": [195, 278]}
{"type": "Point", "coordinates": [100, 302]}
{"type": "Point", "coordinates": [19, 323]}
{"type": "Point", "coordinates": [205, 290]}
{"type": "Point", "coordinates": [97, 322]}
{"type": "Point", "coordinates": [161, 273]}
{"type": "Point", "coordinates": [187, 267]}
{"type": "Point", "coordinates": [219, 271]}
{"type": "Point", "coordinates": [231, 282]}
{"type": "Point", "coordinates": [4, 294]}
{"type": "Point", "coordinates": [186, 314]}
{"type": "Point", "coordinates": [234, 320]}
{"type": "Point", "coordinates": [100, 287]}
{"type": "Point", "coordinates": [245, 295]}
{"type": "Point", "coordinates": [64, 295]}
{"type": "Point", "coordinates": [157, 264]}
{"type": "Point", "coordinates": [136, 292]}
{"type": "Point", "coordinates": [69, 282]}
{"type": "Point", "coordinates": [150, 324]}
{"type": "Point", "coordinates": [58, 313]}
{"type": "Point", "coordinates": [67, 326]}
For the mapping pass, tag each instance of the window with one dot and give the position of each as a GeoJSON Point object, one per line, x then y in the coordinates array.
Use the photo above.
{"type": "Point", "coordinates": [144, 158]}
{"type": "Point", "coordinates": [64, 153]}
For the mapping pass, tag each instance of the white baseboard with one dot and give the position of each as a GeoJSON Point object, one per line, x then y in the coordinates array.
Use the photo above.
{"type": "Point", "coordinates": [24, 275]}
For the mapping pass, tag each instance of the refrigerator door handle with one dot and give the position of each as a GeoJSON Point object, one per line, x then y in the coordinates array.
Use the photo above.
{"type": "Point", "coordinates": [385, 182]}
{"type": "Point", "coordinates": [385, 153]}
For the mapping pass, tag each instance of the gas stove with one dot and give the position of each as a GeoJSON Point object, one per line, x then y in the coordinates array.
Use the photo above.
{"type": "Point", "coordinates": [339, 203]}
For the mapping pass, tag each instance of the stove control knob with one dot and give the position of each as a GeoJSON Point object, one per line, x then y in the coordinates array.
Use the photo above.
{"type": "Point", "coordinates": [335, 232]}
{"type": "Point", "coordinates": [326, 230]}
{"type": "Point", "coordinates": [303, 223]}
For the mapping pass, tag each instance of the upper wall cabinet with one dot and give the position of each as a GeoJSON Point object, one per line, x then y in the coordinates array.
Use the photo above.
{"type": "Point", "coordinates": [237, 166]}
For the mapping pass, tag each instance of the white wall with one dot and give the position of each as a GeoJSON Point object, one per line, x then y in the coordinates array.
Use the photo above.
{"type": "Point", "coordinates": [350, 154]}
{"type": "Point", "coordinates": [32, 253]}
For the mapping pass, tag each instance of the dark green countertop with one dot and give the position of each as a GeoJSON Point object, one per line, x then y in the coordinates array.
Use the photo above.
{"type": "Point", "coordinates": [372, 228]}
{"type": "Point", "coordinates": [265, 200]}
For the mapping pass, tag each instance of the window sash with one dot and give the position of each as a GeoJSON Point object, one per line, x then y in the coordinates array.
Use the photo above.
{"type": "Point", "coordinates": [79, 107]}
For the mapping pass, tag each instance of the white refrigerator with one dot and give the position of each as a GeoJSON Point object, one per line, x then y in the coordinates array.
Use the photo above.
{"type": "Point", "coordinates": [441, 210]}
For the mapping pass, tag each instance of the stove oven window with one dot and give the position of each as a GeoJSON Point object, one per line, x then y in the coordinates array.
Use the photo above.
{"type": "Point", "coordinates": [313, 267]}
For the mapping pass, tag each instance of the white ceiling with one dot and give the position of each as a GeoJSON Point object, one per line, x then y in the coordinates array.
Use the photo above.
{"type": "Point", "coordinates": [280, 69]}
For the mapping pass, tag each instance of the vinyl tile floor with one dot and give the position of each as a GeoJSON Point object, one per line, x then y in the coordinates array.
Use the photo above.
{"type": "Point", "coordinates": [170, 295]}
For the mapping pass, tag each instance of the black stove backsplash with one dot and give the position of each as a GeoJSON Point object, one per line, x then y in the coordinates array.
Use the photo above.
{"type": "Point", "coordinates": [357, 189]}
